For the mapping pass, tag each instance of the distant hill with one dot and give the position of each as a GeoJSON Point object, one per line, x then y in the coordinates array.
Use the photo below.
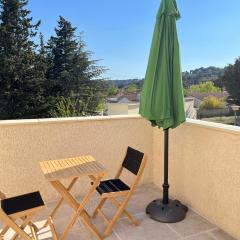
{"type": "Point", "coordinates": [199, 75]}
{"type": "Point", "coordinates": [190, 78]}
{"type": "Point", "coordinates": [126, 82]}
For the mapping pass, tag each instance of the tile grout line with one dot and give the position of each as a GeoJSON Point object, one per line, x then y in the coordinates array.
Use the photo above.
{"type": "Point", "coordinates": [212, 235]}
{"type": "Point", "coordinates": [172, 229]}
{"type": "Point", "coordinates": [197, 234]}
{"type": "Point", "coordinates": [115, 233]}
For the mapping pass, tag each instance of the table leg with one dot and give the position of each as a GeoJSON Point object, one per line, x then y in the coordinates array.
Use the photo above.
{"type": "Point", "coordinates": [87, 222]}
{"type": "Point", "coordinates": [53, 213]}
{"type": "Point", "coordinates": [65, 194]}
{"type": "Point", "coordinates": [81, 210]}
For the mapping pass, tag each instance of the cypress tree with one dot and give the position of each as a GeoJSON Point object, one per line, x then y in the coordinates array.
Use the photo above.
{"type": "Point", "coordinates": [41, 67]}
{"type": "Point", "coordinates": [61, 52]}
{"type": "Point", "coordinates": [72, 73]}
{"type": "Point", "coordinates": [20, 82]}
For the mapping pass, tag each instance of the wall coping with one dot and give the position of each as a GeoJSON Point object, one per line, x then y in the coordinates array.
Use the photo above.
{"type": "Point", "coordinates": [214, 126]}
{"type": "Point", "coordinates": [198, 123]}
{"type": "Point", "coordinates": [66, 120]}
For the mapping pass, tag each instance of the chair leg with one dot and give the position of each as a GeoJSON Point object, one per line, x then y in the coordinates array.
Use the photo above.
{"type": "Point", "coordinates": [3, 232]}
{"type": "Point", "coordinates": [90, 226]}
{"type": "Point", "coordinates": [119, 212]}
{"type": "Point", "coordinates": [34, 234]}
{"type": "Point", "coordinates": [127, 214]}
{"type": "Point", "coordinates": [53, 230]}
{"type": "Point", "coordinates": [99, 206]}
{"type": "Point", "coordinates": [19, 231]}
{"type": "Point", "coordinates": [36, 229]}
{"type": "Point", "coordinates": [115, 218]}
{"type": "Point", "coordinates": [23, 225]}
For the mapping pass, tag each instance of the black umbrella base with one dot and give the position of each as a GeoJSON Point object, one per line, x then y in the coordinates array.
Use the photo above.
{"type": "Point", "coordinates": [172, 212]}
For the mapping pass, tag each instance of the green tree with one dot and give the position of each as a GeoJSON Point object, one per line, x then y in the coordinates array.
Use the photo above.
{"type": "Point", "coordinates": [62, 53]}
{"type": "Point", "coordinates": [20, 81]}
{"type": "Point", "coordinates": [207, 87]}
{"type": "Point", "coordinates": [72, 73]}
{"type": "Point", "coordinates": [65, 107]}
{"type": "Point", "coordinates": [41, 67]}
{"type": "Point", "coordinates": [112, 90]}
{"type": "Point", "coordinates": [231, 80]}
{"type": "Point", "coordinates": [132, 88]}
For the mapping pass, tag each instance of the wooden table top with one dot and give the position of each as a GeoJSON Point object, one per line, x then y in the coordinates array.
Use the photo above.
{"type": "Point", "coordinates": [71, 167]}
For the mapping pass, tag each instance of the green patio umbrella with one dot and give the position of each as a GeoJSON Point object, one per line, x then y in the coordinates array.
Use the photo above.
{"type": "Point", "coordinates": [162, 100]}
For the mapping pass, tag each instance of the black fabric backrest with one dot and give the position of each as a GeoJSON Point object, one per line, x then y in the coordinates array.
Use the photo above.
{"type": "Point", "coordinates": [133, 160]}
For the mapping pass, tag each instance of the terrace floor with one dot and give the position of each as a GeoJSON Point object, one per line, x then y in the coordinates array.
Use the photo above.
{"type": "Point", "coordinates": [194, 227]}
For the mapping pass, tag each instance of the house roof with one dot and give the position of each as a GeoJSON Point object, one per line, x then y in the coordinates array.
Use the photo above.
{"type": "Point", "coordinates": [125, 98]}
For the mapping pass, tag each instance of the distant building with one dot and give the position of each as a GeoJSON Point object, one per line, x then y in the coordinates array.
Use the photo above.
{"type": "Point", "coordinates": [125, 104]}
{"type": "Point", "coordinates": [199, 97]}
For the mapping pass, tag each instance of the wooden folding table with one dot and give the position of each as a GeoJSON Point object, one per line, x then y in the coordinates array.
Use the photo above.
{"type": "Point", "coordinates": [73, 168]}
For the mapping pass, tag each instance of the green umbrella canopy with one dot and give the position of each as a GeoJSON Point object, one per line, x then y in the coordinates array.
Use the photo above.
{"type": "Point", "coordinates": [162, 95]}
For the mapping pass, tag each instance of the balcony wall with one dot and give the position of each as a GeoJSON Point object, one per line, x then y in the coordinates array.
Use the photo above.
{"type": "Point", "coordinates": [25, 143]}
{"type": "Point", "coordinates": [204, 158]}
{"type": "Point", "coordinates": [204, 170]}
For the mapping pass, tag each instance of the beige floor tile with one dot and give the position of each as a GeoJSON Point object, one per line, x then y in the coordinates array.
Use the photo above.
{"type": "Point", "coordinates": [148, 229]}
{"type": "Point", "coordinates": [221, 235]}
{"type": "Point", "coordinates": [194, 227]}
{"type": "Point", "coordinates": [87, 235]}
{"type": "Point", "coordinates": [137, 204]}
{"type": "Point", "coordinates": [202, 236]}
{"type": "Point", "coordinates": [192, 224]}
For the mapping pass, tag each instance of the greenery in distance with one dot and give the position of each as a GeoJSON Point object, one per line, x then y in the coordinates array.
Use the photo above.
{"type": "Point", "coordinates": [45, 80]}
{"type": "Point", "coordinates": [206, 87]}
{"type": "Point", "coordinates": [57, 77]}
{"type": "Point", "coordinates": [231, 81]}
{"type": "Point", "coordinates": [212, 102]}
{"type": "Point", "coordinates": [202, 80]}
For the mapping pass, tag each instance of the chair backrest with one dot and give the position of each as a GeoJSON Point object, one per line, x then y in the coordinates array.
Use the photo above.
{"type": "Point", "coordinates": [133, 160]}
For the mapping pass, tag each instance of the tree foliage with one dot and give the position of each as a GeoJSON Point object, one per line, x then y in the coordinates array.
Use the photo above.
{"type": "Point", "coordinates": [41, 80]}
{"type": "Point", "coordinates": [65, 107]}
{"type": "Point", "coordinates": [212, 103]}
{"type": "Point", "coordinates": [207, 87]}
{"type": "Point", "coordinates": [20, 78]}
{"type": "Point", "coordinates": [112, 90]}
{"type": "Point", "coordinates": [72, 73]}
{"type": "Point", "coordinates": [195, 77]}
{"type": "Point", "coordinates": [132, 88]}
{"type": "Point", "coordinates": [231, 80]}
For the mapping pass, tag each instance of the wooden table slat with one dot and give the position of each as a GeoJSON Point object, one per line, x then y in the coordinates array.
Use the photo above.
{"type": "Point", "coordinates": [71, 167]}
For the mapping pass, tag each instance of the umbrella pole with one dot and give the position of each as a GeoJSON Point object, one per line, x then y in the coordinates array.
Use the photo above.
{"type": "Point", "coordinates": [166, 210]}
{"type": "Point", "coordinates": [166, 150]}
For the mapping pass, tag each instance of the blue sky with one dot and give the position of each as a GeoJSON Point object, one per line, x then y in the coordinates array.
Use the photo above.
{"type": "Point", "coordinates": [120, 32]}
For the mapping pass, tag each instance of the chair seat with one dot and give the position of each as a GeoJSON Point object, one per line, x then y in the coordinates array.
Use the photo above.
{"type": "Point", "coordinates": [22, 203]}
{"type": "Point", "coordinates": [112, 185]}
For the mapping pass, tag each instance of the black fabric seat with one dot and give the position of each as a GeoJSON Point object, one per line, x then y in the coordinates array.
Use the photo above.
{"type": "Point", "coordinates": [112, 185]}
{"type": "Point", "coordinates": [22, 203]}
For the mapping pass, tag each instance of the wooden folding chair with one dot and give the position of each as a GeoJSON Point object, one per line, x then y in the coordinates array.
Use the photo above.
{"type": "Point", "coordinates": [22, 207]}
{"type": "Point", "coordinates": [134, 162]}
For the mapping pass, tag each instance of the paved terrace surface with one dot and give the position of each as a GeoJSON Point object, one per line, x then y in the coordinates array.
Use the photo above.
{"type": "Point", "coordinates": [194, 227]}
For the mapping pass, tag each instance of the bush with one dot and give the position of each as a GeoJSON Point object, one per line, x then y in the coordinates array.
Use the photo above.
{"type": "Point", "coordinates": [206, 87]}
{"type": "Point", "coordinates": [212, 103]}
{"type": "Point", "coordinates": [65, 107]}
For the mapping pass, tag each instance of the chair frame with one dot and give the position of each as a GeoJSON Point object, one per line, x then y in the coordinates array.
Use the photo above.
{"type": "Point", "coordinates": [25, 216]}
{"type": "Point", "coordinates": [121, 207]}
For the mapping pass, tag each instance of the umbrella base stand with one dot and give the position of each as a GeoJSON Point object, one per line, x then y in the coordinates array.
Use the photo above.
{"type": "Point", "coordinates": [172, 212]}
